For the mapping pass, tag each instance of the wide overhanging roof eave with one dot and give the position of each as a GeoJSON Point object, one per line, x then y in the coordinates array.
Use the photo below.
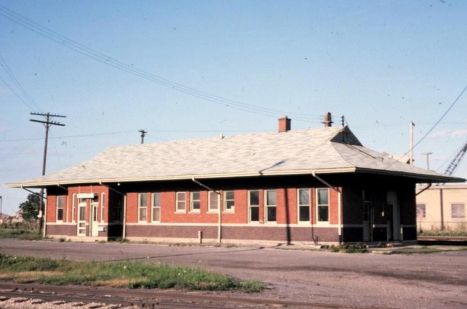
{"type": "Point", "coordinates": [61, 182]}
{"type": "Point", "coordinates": [421, 178]}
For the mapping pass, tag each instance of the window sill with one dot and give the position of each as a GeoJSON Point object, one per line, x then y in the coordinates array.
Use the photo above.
{"type": "Point", "coordinates": [194, 212]}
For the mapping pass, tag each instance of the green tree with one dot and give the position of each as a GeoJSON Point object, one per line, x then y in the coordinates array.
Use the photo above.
{"type": "Point", "coordinates": [30, 208]}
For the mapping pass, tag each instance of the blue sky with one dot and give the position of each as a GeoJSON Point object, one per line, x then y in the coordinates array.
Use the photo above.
{"type": "Point", "coordinates": [381, 64]}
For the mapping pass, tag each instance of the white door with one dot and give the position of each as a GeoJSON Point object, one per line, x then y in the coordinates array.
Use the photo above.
{"type": "Point", "coordinates": [82, 219]}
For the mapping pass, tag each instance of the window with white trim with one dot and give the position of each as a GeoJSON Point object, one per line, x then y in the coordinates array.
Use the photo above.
{"type": "Point", "coordinates": [303, 205]}
{"type": "Point", "coordinates": [323, 204]}
{"type": "Point", "coordinates": [229, 201]}
{"type": "Point", "coordinates": [61, 203]}
{"type": "Point", "coordinates": [102, 206]}
{"type": "Point", "coordinates": [253, 205]}
{"type": "Point", "coordinates": [213, 201]}
{"type": "Point", "coordinates": [180, 202]}
{"type": "Point", "coordinates": [421, 211]}
{"type": "Point", "coordinates": [457, 211]}
{"type": "Point", "coordinates": [271, 205]}
{"type": "Point", "coordinates": [142, 207]}
{"type": "Point", "coordinates": [195, 201]}
{"type": "Point", "coordinates": [156, 207]}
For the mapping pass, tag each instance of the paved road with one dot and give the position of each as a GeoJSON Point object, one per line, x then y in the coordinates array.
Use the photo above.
{"type": "Point", "coordinates": [359, 280]}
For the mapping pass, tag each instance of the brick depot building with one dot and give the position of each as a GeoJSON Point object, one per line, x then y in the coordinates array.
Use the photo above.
{"type": "Point", "coordinates": [310, 186]}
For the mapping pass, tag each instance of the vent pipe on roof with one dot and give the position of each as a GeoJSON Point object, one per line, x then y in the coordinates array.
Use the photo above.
{"type": "Point", "coordinates": [284, 124]}
{"type": "Point", "coordinates": [327, 120]}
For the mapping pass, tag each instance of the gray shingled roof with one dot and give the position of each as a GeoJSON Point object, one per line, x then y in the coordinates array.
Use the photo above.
{"type": "Point", "coordinates": [320, 151]}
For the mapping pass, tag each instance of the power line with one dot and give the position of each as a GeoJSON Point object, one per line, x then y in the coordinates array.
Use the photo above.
{"type": "Point", "coordinates": [23, 94]}
{"type": "Point", "coordinates": [438, 121]}
{"type": "Point", "coordinates": [151, 77]}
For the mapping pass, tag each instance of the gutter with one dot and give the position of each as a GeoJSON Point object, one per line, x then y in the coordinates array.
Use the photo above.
{"type": "Point", "coordinates": [339, 205]}
{"type": "Point", "coordinates": [219, 207]}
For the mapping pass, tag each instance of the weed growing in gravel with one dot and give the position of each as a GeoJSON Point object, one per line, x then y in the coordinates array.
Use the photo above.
{"type": "Point", "coordinates": [119, 274]}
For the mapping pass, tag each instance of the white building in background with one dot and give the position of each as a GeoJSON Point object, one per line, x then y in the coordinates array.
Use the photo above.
{"type": "Point", "coordinates": [442, 208]}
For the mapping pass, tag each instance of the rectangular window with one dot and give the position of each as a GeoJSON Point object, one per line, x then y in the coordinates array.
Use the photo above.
{"type": "Point", "coordinates": [61, 203]}
{"type": "Point", "coordinates": [142, 207]}
{"type": "Point", "coordinates": [195, 201]}
{"type": "Point", "coordinates": [271, 205]}
{"type": "Point", "coordinates": [156, 207]}
{"type": "Point", "coordinates": [253, 204]}
{"type": "Point", "coordinates": [421, 211]}
{"type": "Point", "coordinates": [458, 211]}
{"type": "Point", "coordinates": [303, 205]}
{"type": "Point", "coordinates": [180, 202]}
{"type": "Point", "coordinates": [229, 201]}
{"type": "Point", "coordinates": [323, 205]}
{"type": "Point", "coordinates": [213, 201]}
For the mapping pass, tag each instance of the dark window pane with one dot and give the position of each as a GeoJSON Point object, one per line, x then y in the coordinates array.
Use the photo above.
{"type": "Point", "coordinates": [322, 196]}
{"type": "Point", "coordinates": [304, 213]}
{"type": "Point", "coordinates": [271, 197]}
{"type": "Point", "coordinates": [156, 199]}
{"type": "Point", "coordinates": [254, 214]}
{"type": "Point", "coordinates": [271, 214]}
{"type": "Point", "coordinates": [254, 197]}
{"type": "Point", "coordinates": [60, 214]}
{"type": "Point", "coordinates": [143, 199]}
{"type": "Point", "coordinates": [304, 197]}
{"type": "Point", "coordinates": [323, 213]}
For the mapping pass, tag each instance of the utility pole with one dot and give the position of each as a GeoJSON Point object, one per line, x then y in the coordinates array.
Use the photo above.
{"type": "Point", "coordinates": [143, 133]}
{"type": "Point", "coordinates": [427, 154]}
{"type": "Point", "coordinates": [411, 145]}
{"type": "Point", "coordinates": [47, 123]}
{"type": "Point", "coordinates": [1, 204]}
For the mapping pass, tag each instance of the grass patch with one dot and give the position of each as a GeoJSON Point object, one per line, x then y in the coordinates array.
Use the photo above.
{"type": "Point", "coordinates": [118, 274]}
{"type": "Point", "coordinates": [347, 248]}
{"type": "Point", "coordinates": [20, 234]}
{"type": "Point", "coordinates": [447, 233]}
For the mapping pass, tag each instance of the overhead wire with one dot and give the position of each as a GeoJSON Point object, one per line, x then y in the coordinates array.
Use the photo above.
{"type": "Point", "coordinates": [151, 77]}
{"type": "Point", "coordinates": [22, 95]}
{"type": "Point", "coordinates": [439, 120]}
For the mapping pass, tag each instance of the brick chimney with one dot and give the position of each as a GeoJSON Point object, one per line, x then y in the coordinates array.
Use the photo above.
{"type": "Point", "coordinates": [284, 124]}
{"type": "Point", "coordinates": [327, 121]}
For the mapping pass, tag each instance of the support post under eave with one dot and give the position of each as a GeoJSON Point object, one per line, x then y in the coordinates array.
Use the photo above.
{"type": "Point", "coordinates": [339, 204]}
{"type": "Point", "coordinates": [219, 204]}
{"type": "Point", "coordinates": [124, 218]}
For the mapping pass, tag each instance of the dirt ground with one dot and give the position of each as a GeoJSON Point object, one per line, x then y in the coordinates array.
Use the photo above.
{"type": "Point", "coordinates": [437, 280]}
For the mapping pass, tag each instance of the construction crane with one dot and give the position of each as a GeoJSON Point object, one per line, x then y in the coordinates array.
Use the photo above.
{"type": "Point", "coordinates": [455, 162]}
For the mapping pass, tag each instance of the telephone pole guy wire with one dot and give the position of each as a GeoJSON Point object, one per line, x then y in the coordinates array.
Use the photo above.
{"type": "Point", "coordinates": [48, 122]}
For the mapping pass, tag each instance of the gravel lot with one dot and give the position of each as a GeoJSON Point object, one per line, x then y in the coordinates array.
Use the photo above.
{"type": "Point", "coordinates": [356, 280]}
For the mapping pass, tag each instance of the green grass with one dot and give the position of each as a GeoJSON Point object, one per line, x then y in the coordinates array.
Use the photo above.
{"type": "Point", "coordinates": [20, 234]}
{"type": "Point", "coordinates": [459, 232]}
{"type": "Point", "coordinates": [347, 248]}
{"type": "Point", "coordinates": [118, 274]}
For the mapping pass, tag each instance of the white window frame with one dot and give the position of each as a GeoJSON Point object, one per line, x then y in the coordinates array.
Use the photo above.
{"type": "Point", "coordinates": [299, 205]}
{"type": "Point", "coordinates": [192, 201]}
{"type": "Point", "coordinates": [155, 206]}
{"type": "Point", "coordinates": [256, 206]}
{"type": "Point", "coordinates": [424, 211]}
{"type": "Point", "coordinates": [63, 208]}
{"type": "Point", "coordinates": [266, 206]}
{"type": "Point", "coordinates": [457, 217]}
{"type": "Point", "coordinates": [210, 204]}
{"type": "Point", "coordinates": [177, 201]}
{"type": "Point", "coordinates": [140, 207]}
{"type": "Point", "coordinates": [318, 205]}
{"type": "Point", "coordinates": [225, 200]}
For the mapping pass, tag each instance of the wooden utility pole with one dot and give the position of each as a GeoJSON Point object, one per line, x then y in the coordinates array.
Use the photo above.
{"type": "Point", "coordinates": [143, 133]}
{"type": "Point", "coordinates": [47, 123]}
